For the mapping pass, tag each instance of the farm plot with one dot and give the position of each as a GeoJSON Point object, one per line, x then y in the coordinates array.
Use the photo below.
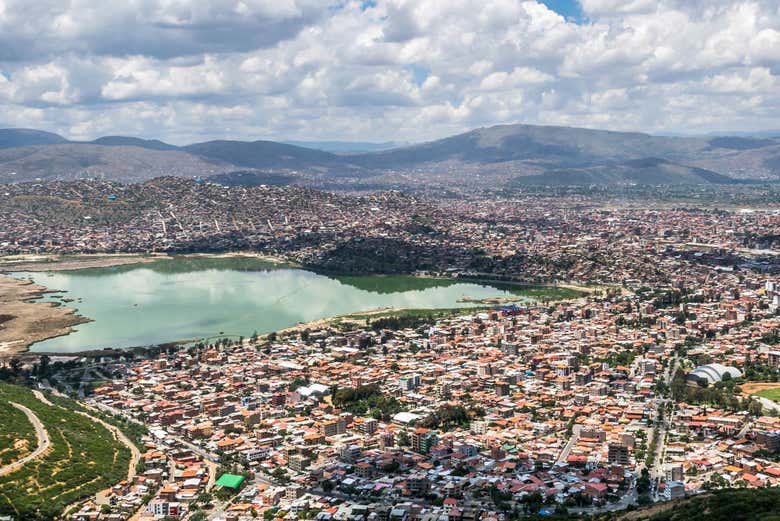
{"type": "Point", "coordinates": [84, 458]}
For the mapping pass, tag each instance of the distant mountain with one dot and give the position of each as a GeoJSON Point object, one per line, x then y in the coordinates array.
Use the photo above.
{"type": "Point", "coordinates": [559, 145]}
{"type": "Point", "coordinates": [263, 154]}
{"type": "Point", "coordinates": [120, 163]}
{"type": "Point", "coordinates": [649, 171]}
{"type": "Point", "coordinates": [22, 137]}
{"type": "Point", "coordinates": [499, 156]}
{"type": "Point", "coordinates": [152, 144]}
{"type": "Point", "coordinates": [755, 134]}
{"type": "Point", "coordinates": [347, 147]}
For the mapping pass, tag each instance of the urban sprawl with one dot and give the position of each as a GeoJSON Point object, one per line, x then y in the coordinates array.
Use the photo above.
{"type": "Point", "coordinates": [642, 391]}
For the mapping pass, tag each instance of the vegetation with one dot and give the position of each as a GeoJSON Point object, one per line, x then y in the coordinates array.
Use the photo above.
{"type": "Point", "coordinates": [722, 505]}
{"type": "Point", "coordinates": [450, 416]}
{"type": "Point", "coordinates": [722, 395]}
{"type": "Point", "coordinates": [772, 394]}
{"type": "Point", "coordinates": [84, 458]}
{"type": "Point", "coordinates": [17, 435]}
{"type": "Point", "coordinates": [366, 399]}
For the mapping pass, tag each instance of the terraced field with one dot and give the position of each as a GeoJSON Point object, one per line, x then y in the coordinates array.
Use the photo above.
{"type": "Point", "coordinates": [17, 436]}
{"type": "Point", "coordinates": [84, 458]}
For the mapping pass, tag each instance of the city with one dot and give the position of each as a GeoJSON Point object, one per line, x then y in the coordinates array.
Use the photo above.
{"type": "Point", "coordinates": [389, 260]}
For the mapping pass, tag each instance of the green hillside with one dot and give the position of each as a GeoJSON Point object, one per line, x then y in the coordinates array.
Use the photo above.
{"type": "Point", "coordinates": [84, 458]}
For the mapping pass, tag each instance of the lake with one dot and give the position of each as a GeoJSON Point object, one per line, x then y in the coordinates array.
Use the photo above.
{"type": "Point", "coordinates": [192, 298]}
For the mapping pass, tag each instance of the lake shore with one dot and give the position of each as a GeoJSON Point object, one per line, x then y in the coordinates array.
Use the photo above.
{"type": "Point", "coordinates": [22, 322]}
{"type": "Point", "coordinates": [28, 322]}
{"type": "Point", "coordinates": [37, 263]}
{"type": "Point", "coordinates": [68, 263]}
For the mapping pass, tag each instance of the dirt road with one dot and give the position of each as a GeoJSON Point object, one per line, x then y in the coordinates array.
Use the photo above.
{"type": "Point", "coordinates": [43, 441]}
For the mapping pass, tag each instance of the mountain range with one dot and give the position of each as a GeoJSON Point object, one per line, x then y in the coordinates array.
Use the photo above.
{"type": "Point", "coordinates": [504, 156]}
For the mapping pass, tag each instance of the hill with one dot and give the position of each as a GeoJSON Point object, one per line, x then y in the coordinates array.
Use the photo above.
{"type": "Point", "coordinates": [264, 154]}
{"type": "Point", "coordinates": [82, 458]}
{"type": "Point", "coordinates": [720, 505]}
{"type": "Point", "coordinates": [649, 171]}
{"type": "Point", "coordinates": [346, 147]}
{"type": "Point", "coordinates": [122, 163]}
{"type": "Point", "coordinates": [152, 144]}
{"type": "Point", "coordinates": [561, 145]}
{"type": "Point", "coordinates": [503, 156]}
{"type": "Point", "coordinates": [22, 137]}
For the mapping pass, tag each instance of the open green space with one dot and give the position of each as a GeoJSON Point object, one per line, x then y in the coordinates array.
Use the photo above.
{"type": "Point", "coordinates": [84, 458]}
{"type": "Point", "coordinates": [17, 435]}
{"type": "Point", "coordinates": [772, 394]}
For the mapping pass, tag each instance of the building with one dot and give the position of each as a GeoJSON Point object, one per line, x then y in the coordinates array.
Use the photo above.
{"type": "Point", "coordinates": [369, 426]}
{"type": "Point", "coordinates": [422, 440]}
{"type": "Point", "coordinates": [298, 462]}
{"type": "Point", "coordinates": [333, 427]}
{"type": "Point", "coordinates": [769, 441]}
{"type": "Point", "coordinates": [674, 472]}
{"type": "Point", "coordinates": [674, 489]}
{"type": "Point", "coordinates": [164, 508]}
{"type": "Point", "coordinates": [233, 481]}
{"type": "Point", "coordinates": [618, 454]}
{"type": "Point", "coordinates": [409, 382]}
{"type": "Point", "coordinates": [712, 373]}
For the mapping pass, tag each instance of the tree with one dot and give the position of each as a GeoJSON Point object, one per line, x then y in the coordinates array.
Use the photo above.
{"type": "Point", "coordinates": [16, 366]}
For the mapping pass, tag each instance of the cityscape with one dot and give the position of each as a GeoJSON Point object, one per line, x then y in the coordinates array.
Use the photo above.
{"type": "Point", "coordinates": [389, 260]}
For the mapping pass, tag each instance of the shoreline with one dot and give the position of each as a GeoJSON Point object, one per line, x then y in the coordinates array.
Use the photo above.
{"type": "Point", "coordinates": [25, 322]}
{"type": "Point", "coordinates": [56, 262]}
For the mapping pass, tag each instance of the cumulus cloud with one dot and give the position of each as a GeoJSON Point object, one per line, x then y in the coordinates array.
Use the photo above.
{"type": "Point", "coordinates": [186, 70]}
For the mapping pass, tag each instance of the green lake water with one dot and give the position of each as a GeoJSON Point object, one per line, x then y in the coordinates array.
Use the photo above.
{"type": "Point", "coordinates": [190, 298]}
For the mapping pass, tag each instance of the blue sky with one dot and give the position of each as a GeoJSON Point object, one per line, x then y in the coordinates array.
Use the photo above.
{"type": "Point", "coordinates": [569, 9]}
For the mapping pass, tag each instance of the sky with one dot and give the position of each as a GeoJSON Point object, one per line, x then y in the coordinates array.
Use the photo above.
{"type": "Point", "coordinates": [385, 70]}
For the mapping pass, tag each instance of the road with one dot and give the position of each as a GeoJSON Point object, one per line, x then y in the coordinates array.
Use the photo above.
{"type": "Point", "coordinates": [135, 454]}
{"type": "Point", "coordinates": [209, 459]}
{"type": "Point", "coordinates": [575, 435]}
{"type": "Point", "coordinates": [662, 423]}
{"type": "Point", "coordinates": [43, 441]}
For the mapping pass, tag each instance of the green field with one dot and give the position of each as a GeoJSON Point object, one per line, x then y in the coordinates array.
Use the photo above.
{"type": "Point", "coordinates": [84, 459]}
{"type": "Point", "coordinates": [772, 394]}
{"type": "Point", "coordinates": [17, 435]}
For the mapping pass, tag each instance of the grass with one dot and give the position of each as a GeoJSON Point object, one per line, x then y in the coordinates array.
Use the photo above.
{"type": "Point", "coordinates": [772, 394]}
{"type": "Point", "coordinates": [17, 435]}
{"type": "Point", "coordinates": [84, 459]}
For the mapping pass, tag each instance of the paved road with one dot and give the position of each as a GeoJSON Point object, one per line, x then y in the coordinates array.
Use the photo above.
{"type": "Point", "coordinates": [43, 441]}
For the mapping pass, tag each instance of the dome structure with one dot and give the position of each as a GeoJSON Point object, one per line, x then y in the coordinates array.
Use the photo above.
{"type": "Point", "coordinates": [713, 373]}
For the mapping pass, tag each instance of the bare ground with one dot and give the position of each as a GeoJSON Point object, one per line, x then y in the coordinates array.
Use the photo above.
{"type": "Point", "coordinates": [65, 263]}
{"type": "Point", "coordinates": [754, 387]}
{"type": "Point", "coordinates": [25, 322]}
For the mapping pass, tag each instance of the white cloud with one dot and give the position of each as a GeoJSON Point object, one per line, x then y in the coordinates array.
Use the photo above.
{"type": "Point", "coordinates": [187, 70]}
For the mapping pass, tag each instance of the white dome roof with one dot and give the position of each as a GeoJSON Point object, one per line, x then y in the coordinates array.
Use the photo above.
{"type": "Point", "coordinates": [713, 373]}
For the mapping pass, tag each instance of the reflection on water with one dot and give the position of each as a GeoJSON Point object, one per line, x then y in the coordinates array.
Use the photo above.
{"type": "Point", "coordinates": [147, 304]}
